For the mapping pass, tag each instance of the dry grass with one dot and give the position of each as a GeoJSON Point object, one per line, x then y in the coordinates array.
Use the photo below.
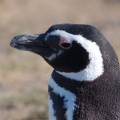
{"type": "Point", "coordinates": [23, 75]}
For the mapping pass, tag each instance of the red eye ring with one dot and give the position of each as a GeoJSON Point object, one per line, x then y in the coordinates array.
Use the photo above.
{"type": "Point", "coordinates": [65, 43]}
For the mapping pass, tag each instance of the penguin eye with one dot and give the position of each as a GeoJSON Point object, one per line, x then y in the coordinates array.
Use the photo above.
{"type": "Point", "coordinates": [64, 43]}
{"type": "Point", "coordinates": [55, 41]}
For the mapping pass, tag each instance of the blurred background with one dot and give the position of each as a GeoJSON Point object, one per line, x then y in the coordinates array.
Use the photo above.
{"type": "Point", "coordinates": [23, 75]}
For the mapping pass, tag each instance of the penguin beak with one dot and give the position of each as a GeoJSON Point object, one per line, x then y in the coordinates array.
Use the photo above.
{"type": "Point", "coordinates": [34, 43]}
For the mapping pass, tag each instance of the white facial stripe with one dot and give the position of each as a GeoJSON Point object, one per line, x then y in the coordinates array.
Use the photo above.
{"type": "Point", "coordinates": [51, 110]}
{"type": "Point", "coordinates": [95, 67]}
{"type": "Point", "coordinates": [61, 33]}
{"type": "Point", "coordinates": [54, 55]}
{"type": "Point", "coordinates": [69, 99]}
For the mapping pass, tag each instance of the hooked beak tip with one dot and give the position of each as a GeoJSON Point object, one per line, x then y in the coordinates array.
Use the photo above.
{"type": "Point", "coordinates": [22, 40]}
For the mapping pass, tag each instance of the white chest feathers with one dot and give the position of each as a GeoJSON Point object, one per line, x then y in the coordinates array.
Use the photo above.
{"type": "Point", "coordinates": [69, 101]}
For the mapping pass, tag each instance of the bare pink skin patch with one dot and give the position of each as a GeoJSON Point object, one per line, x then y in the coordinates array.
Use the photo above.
{"type": "Point", "coordinates": [65, 43]}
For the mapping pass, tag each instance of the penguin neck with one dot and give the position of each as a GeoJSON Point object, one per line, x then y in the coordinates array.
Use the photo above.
{"type": "Point", "coordinates": [66, 83]}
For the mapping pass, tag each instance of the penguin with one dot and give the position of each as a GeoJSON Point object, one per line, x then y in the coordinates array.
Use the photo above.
{"type": "Point", "coordinates": [85, 82]}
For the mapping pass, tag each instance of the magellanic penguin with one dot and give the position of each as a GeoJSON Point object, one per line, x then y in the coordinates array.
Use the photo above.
{"type": "Point", "coordinates": [85, 83]}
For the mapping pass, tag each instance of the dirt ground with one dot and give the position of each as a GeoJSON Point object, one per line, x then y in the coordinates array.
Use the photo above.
{"type": "Point", "coordinates": [23, 75]}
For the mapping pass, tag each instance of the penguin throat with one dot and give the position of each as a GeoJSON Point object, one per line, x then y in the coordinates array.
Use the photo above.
{"type": "Point", "coordinates": [95, 68]}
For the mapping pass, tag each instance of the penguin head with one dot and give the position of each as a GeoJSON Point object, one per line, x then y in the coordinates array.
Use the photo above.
{"type": "Point", "coordinates": [67, 47]}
